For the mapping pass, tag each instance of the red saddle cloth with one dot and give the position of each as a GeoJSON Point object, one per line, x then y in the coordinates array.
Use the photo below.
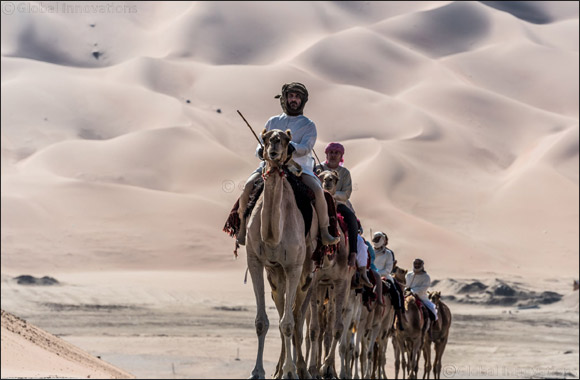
{"type": "Point", "coordinates": [419, 302]}
{"type": "Point", "coordinates": [343, 227]}
{"type": "Point", "coordinates": [232, 225]}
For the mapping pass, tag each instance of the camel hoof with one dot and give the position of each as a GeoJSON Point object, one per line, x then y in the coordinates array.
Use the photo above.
{"type": "Point", "coordinates": [328, 373]}
{"type": "Point", "coordinates": [257, 375]}
{"type": "Point", "coordinates": [307, 283]}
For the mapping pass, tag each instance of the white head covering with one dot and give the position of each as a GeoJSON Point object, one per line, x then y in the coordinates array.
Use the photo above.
{"type": "Point", "coordinates": [379, 240]}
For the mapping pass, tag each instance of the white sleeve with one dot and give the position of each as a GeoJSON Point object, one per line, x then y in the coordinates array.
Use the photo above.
{"type": "Point", "coordinates": [306, 143]}
{"type": "Point", "coordinates": [389, 261]}
{"type": "Point", "coordinates": [421, 284]}
{"type": "Point", "coordinates": [362, 254]}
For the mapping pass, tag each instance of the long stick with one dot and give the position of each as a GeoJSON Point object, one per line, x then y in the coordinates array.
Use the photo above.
{"type": "Point", "coordinates": [249, 126]}
{"type": "Point", "coordinates": [315, 155]}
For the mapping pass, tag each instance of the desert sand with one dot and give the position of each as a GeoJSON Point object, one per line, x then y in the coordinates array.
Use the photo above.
{"type": "Point", "coordinates": [122, 155]}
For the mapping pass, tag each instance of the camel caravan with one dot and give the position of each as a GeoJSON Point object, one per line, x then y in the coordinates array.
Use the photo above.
{"type": "Point", "coordinates": [333, 289]}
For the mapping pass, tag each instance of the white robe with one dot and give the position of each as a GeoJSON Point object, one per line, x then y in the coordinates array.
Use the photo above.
{"type": "Point", "coordinates": [384, 261]}
{"type": "Point", "coordinates": [362, 257]}
{"type": "Point", "coordinates": [419, 283]}
{"type": "Point", "coordinates": [304, 135]}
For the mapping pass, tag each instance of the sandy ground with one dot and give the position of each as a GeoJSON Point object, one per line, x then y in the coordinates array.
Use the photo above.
{"type": "Point", "coordinates": [122, 153]}
{"type": "Point", "coordinates": [158, 325]}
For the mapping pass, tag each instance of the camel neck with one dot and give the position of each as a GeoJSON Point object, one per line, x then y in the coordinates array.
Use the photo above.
{"type": "Point", "coordinates": [272, 209]}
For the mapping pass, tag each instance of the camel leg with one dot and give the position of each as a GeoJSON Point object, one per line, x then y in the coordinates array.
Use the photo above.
{"type": "Point", "coordinates": [340, 292]}
{"type": "Point", "coordinates": [350, 359]}
{"type": "Point", "coordinates": [364, 349]}
{"type": "Point", "coordinates": [307, 342]}
{"type": "Point", "coordinates": [427, 357]}
{"type": "Point", "coordinates": [439, 349]}
{"type": "Point", "coordinates": [397, 353]}
{"type": "Point", "coordinates": [357, 349]}
{"type": "Point", "coordinates": [262, 324]}
{"type": "Point", "coordinates": [404, 357]}
{"type": "Point", "coordinates": [302, 307]}
{"type": "Point", "coordinates": [377, 357]}
{"type": "Point", "coordinates": [314, 333]}
{"type": "Point", "coordinates": [344, 338]}
{"type": "Point", "coordinates": [323, 315]}
{"type": "Point", "coordinates": [287, 322]}
{"type": "Point", "coordinates": [383, 351]}
{"type": "Point", "coordinates": [416, 353]}
{"type": "Point", "coordinates": [328, 327]}
{"type": "Point", "coordinates": [342, 351]}
{"type": "Point", "coordinates": [278, 298]}
{"type": "Point", "coordinates": [373, 354]}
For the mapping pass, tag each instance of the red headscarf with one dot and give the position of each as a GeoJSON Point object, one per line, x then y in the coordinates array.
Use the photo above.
{"type": "Point", "coordinates": [335, 146]}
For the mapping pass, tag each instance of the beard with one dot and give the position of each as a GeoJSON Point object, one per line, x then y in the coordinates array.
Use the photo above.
{"type": "Point", "coordinates": [293, 105]}
{"type": "Point", "coordinates": [293, 108]}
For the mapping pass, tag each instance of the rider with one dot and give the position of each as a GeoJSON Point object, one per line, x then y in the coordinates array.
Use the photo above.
{"type": "Point", "coordinates": [374, 270]}
{"type": "Point", "coordinates": [418, 281]}
{"type": "Point", "coordinates": [334, 161]}
{"type": "Point", "coordinates": [362, 258]}
{"type": "Point", "coordinates": [385, 260]}
{"type": "Point", "coordinates": [294, 97]}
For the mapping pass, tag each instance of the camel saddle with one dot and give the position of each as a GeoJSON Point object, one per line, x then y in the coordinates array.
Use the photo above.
{"type": "Point", "coordinates": [303, 195]}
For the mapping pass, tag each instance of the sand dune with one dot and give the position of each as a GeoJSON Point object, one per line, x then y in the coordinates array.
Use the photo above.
{"type": "Point", "coordinates": [23, 343]}
{"type": "Point", "coordinates": [122, 149]}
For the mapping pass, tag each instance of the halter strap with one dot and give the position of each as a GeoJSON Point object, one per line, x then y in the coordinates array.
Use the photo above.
{"type": "Point", "coordinates": [281, 173]}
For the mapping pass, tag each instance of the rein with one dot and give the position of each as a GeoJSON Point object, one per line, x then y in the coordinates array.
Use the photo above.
{"type": "Point", "coordinates": [281, 173]}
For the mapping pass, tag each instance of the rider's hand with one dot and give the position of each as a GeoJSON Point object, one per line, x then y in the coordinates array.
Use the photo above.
{"type": "Point", "coordinates": [291, 149]}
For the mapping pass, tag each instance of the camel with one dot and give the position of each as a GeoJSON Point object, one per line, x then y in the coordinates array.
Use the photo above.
{"type": "Point", "coordinates": [380, 357]}
{"type": "Point", "coordinates": [409, 341]}
{"type": "Point", "coordinates": [371, 325]}
{"type": "Point", "coordinates": [351, 318]}
{"type": "Point", "coordinates": [278, 242]}
{"type": "Point", "coordinates": [440, 333]}
{"type": "Point", "coordinates": [331, 281]}
{"type": "Point", "coordinates": [399, 275]}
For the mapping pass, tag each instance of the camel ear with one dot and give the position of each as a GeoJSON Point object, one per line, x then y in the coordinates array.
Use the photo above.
{"type": "Point", "coordinates": [265, 135]}
{"type": "Point", "coordinates": [289, 133]}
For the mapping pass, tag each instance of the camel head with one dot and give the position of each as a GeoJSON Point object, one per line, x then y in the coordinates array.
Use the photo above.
{"type": "Point", "coordinates": [276, 144]}
{"type": "Point", "coordinates": [434, 296]}
{"type": "Point", "coordinates": [399, 274]}
{"type": "Point", "coordinates": [329, 180]}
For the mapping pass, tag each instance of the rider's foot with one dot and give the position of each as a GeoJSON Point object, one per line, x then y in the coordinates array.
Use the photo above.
{"type": "Point", "coordinates": [327, 238]}
{"type": "Point", "coordinates": [363, 277]}
{"type": "Point", "coordinates": [352, 259]}
{"type": "Point", "coordinates": [241, 235]}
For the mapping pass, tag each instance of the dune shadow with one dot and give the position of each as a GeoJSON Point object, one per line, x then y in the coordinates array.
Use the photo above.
{"type": "Point", "coordinates": [524, 10]}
